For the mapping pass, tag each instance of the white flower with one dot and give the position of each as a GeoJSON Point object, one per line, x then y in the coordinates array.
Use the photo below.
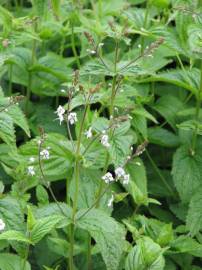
{"type": "Point", "coordinates": [101, 44]}
{"type": "Point", "coordinates": [138, 163]}
{"type": "Point", "coordinates": [126, 179]}
{"type": "Point", "coordinates": [2, 225]}
{"type": "Point", "coordinates": [31, 159]}
{"type": "Point", "coordinates": [89, 133]}
{"type": "Point", "coordinates": [45, 154]}
{"type": "Point", "coordinates": [30, 170]}
{"type": "Point", "coordinates": [91, 51]}
{"type": "Point", "coordinates": [72, 118]}
{"type": "Point", "coordinates": [60, 113]}
{"type": "Point", "coordinates": [119, 172]}
{"type": "Point", "coordinates": [105, 140]}
{"type": "Point", "coordinates": [108, 178]}
{"type": "Point", "coordinates": [110, 202]}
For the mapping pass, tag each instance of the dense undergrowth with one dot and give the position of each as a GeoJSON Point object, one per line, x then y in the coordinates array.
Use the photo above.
{"type": "Point", "coordinates": [100, 135]}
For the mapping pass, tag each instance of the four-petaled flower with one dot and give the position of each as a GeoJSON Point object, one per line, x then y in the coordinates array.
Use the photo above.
{"type": "Point", "coordinates": [60, 113]}
{"type": "Point", "coordinates": [45, 154]}
{"type": "Point", "coordinates": [111, 200]}
{"type": "Point", "coordinates": [108, 178]}
{"type": "Point", "coordinates": [72, 118]}
{"type": "Point", "coordinates": [89, 133]}
{"type": "Point", "coordinates": [105, 140]}
{"type": "Point", "coordinates": [30, 170]}
{"type": "Point", "coordinates": [2, 225]}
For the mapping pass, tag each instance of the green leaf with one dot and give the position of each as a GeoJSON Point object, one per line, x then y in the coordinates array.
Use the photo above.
{"type": "Point", "coordinates": [145, 255]}
{"type": "Point", "coordinates": [194, 216]}
{"type": "Point", "coordinates": [120, 149]}
{"type": "Point", "coordinates": [137, 186]}
{"type": "Point", "coordinates": [7, 132]}
{"type": "Point", "coordinates": [61, 157]}
{"type": "Point", "coordinates": [44, 226]}
{"type": "Point", "coordinates": [185, 244]}
{"type": "Point", "coordinates": [188, 79]}
{"type": "Point", "coordinates": [14, 236]}
{"type": "Point", "coordinates": [11, 213]}
{"type": "Point", "coordinates": [168, 106]}
{"type": "Point", "coordinates": [187, 171]}
{"type": "Point", "coordinates": [108, 234]}
{"type": "Point", "coordinates": [162, 137]}
{"type": "Point", "coordinates": [12, 262]}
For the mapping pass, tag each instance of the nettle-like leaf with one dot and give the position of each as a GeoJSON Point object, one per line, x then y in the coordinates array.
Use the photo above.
{"type": "Point", "coordinates": [188, 79]}
{"type": "Point", "coordinates": [168, 106]}
{"type": "Point", "coordinates": [186, 244]}
{"type": "Point", "coordinates": [108, 234]}
{"type": "Point", "coordinates": [145, 255]}
{"type": "Point", "coordinates": [11, 213]}
{"type": "Point", "coordinates": [194, 216]}
{"type": "Point", "coordinates": [14, 236]}
{"type": "Point", "coordinates": [61, 157]}
{"type": "Point", "coordinates": [162, 137]}
{"type": "Point", "coordinates": [43, 226]}
{"type": "Point", "coordinates": [187, 171]}
{"type": "Point", "coordinates": [90, 180]}
{"type": "Point", "coordinates": [12, 262]}
{"type": "Point", "coordinates": [137, 186]}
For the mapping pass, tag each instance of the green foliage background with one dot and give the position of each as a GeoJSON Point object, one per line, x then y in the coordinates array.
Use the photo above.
{"type": "Point", "coordinates": [59, 218]}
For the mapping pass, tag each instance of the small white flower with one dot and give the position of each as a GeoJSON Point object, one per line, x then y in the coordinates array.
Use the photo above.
{"type": "Point", "coordinates": [126, 179]}
{"type": "Point", "coordinates": [2, 225]}
{"type": "Point", "coordinates": [89, 133]}
{"type": "Point", "coordinates": [30, 170]}
{"type": "Point", "coordinates": [39, 142]}
{"type": "Point", "coordinates": [139, 46]}
{"type": "Point", "coordinates": [31, 159]}
{"type": "Point", "coordinates": [108, 177]}
{"type": "Point", "coordinates": [72, 118]}
{"type": "Point", "coordinates": [62, 90]}
{"type": "Point", "coordinates": [138, 163]}
{"type": "Point", "coordinates": [45, 154]}
{"type": "Point", "coordinates": [101, 44]}
{"type": "Point", "coordinates": [91, 51]}
{"type": "Point", "coordinates": [105, 140]}
{"type": "Point", "coordinates": [119, 172]}
{"type": "Point", "coordinates": [60, 113]}
{"type": "Point", "coordinates": [110, 202]}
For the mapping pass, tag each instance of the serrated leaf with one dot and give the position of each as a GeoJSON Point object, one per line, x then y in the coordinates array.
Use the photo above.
{"type": "Point", "coordinates": [12, 262]}
{"type": "Point", "coordinates": [145, 255]}
{"type": "Point", "coordinates": [194, 216]}
{"type": "Point", "coordinates": [14, 236]}
{"type": "Point", "coordinates": [43, 226]}
{"type": "Point", "coordinates": [108, 234]}
{"type": "Point", "coordinates": [187, 172]}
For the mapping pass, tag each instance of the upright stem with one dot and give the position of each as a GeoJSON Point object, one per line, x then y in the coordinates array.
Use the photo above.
{"type": "Point", "coordinates": [74, 48]}
{"type": "Point", "coordinates": [197, 113]}
{"type": "Point", "coordinates": [76, 193]}
{"type": "Point", "coordinates": [144, 25]}
{"type": "Point", "coordinates": [29, 86]}
{"type": "Point", "coordinates": [10, 71]}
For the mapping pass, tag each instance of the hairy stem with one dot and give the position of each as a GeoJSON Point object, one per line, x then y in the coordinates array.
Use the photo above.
{"type": "Point", "coordinates": [197, 114]}
{"type": "Point", "coordinates": [29, 86]}
{"type": "Point", "coordinates": [76, 193]}
{"type": "Point", "coordinates": [10, 71]}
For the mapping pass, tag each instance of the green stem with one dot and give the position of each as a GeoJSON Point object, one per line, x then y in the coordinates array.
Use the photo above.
{"type": "Point", "coordinates": [89, 259]}
{"type": "Point", "coordinates": [25, 258]}
{"type": "Point", "coordinates": [159, 173]}
{"type": "Point", "coordinates": [74, 48]}
{"type": "Point", "coordinates": [197, 114]}
{"type": "Point", "coordinates": [29, 86]}
{"type": "Point", "coordinates": [10, 79]}
{"type": "Point", "coordinates": [144, 26]}
{"type": "Point", "coordinates": [76, 193]}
